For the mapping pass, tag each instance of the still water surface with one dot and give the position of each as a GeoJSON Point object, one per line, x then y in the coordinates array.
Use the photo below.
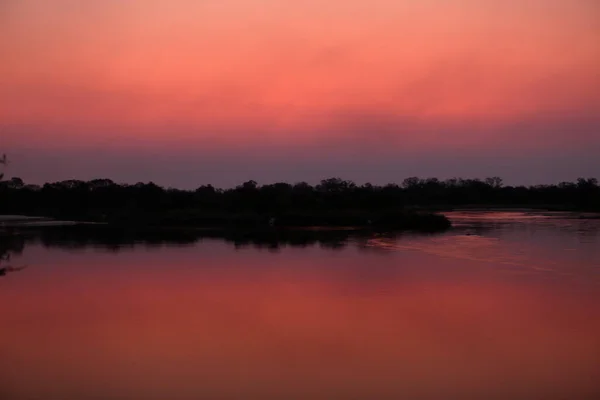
{"type": "Point", "coordinates": [504, 306]}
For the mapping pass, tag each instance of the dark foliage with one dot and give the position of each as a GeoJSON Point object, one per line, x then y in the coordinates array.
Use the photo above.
{"type": "Point", "coordinates": [116, 239]}
{"type": "Point", "coordinates": [332, 202]}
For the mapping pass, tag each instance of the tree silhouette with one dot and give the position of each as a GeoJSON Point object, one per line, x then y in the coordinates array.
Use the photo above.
{"type": "Point", "coordinates": [3, 161]}
{"type": "Point", "coordinates": [332, 201]}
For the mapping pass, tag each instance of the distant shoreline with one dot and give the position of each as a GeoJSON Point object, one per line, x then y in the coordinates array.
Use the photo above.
{"type": "Point", "coordinates": [424, 220]}
{"type": "Point", "coordinates": [413, 205]}
{"type": "Point", "coordinates": [416, 221]}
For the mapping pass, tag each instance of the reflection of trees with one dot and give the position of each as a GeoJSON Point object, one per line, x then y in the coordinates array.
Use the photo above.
{"type": "Point", "coordinates": [9, 245]}
{"type": "Point", "coordinates": [106, 238]}
{"type": "Point", "coordinates": [332, 239]}
{"type": "Point", "coordinates": [81, 237]}
{"type": "Point", "coordinates": [75, 238]}
{"type": "Point", "coordinates": [114, 239]}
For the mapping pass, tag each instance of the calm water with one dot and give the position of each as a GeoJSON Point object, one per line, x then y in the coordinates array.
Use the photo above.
{"type": "Point", "coordinates": [504, 306]}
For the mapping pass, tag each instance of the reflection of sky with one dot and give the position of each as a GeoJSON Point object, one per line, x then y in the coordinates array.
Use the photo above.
{"type": "Point", "coordinates": [436, 316]}
{"type": "Point", "coordinates": [523, 242]}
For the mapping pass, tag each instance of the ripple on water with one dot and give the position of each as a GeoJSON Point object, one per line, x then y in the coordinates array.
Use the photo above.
{"type": "Point", "coordinates": [527, 242]}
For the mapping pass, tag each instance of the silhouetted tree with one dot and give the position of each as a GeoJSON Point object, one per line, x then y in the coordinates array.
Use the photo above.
{"type": "Point", "coordinates": [3, 161]}
{"type": "Point", "coordinates": [494, 182]}
{"type": "Point", "coordinates": [105, 200]}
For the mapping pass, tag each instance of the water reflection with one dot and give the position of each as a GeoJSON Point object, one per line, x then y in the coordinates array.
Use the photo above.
{"type": "Point", "coordinates": [110, 239]}
{"type": "Point", "coordinates": [195, 316]}
{"type": "Point", "coordinates": [6, 270]}
{"type": "Point", "coordinates": [10, 246]}
{"type": "Point", "coordinates": [583, 225]}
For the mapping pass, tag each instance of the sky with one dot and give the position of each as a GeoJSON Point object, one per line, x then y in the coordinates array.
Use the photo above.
{"type": "Point", "coordinates": [190, 92]}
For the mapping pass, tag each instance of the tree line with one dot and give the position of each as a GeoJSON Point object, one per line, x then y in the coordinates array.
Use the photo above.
{"type": "Point", "coordinates": [103, 199]}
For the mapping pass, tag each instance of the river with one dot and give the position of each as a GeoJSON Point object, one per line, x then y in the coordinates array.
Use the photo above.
{"type": "Point", "coordinates": [506, 305]}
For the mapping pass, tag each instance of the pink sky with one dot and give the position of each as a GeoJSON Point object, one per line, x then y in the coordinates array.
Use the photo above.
{"type": "Point", "coordinates": [187, 92]}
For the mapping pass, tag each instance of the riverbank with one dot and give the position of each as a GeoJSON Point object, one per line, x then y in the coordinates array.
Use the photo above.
{"type": "Point", "coordinates": [383, 220]}
{"type": "Point", "coordinates": [388, 220]}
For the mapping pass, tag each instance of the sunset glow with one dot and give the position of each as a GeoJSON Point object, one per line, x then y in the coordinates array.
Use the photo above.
{"type": "Point", "coordinates": [202, 322]}
{"type": "Point", "coordinates": [331, 80]}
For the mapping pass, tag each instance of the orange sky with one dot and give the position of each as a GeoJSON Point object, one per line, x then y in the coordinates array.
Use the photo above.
{"type": "Point", "coordinates": [183, 74]}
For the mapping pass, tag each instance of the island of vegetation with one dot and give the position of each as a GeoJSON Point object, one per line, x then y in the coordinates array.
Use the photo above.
{"type": "Point", "coordinates": [334, 202]}
{"type": "Point", "coordinates": [329, 204]}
